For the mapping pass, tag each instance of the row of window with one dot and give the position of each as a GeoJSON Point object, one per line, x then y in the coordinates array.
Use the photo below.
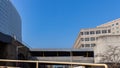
{"type": "Point", "coordinates": [88, 45]}
{"type": "Point", "coordinates": [95, 32]}
{"type": "Point", "coordinates": [116, 24]}
{"type": "Point", "coordinates": [89, 39]}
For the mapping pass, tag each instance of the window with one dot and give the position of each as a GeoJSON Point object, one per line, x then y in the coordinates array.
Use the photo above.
{"type": "Point", "coordinates": [116, 23]}
{"type": "Point", "coordinates": [81, 33]}
{"type": "Point", "coordinates": [112, 24]}
{"type": "Point", "coordinates": [92, 32]}
{"type": "Point", "coordinates": [92, 38]}
{"type": "Point", "coordinates": [87, 45]}
{"type": "Point", "coordinates": [82, 45]}
{"type": "Point", "coordinates": [82, 39]}
{"type": "Point", "coordinates": [86, 33]}
{"type": "Point", "coordinates": [86, 39]}
{"type": "Point", "coordinates": [93, 45]}
{"type": "Point", "coordinates": [96, 38]}
{"type": "Point", "coordinates": [104, 31]}
{"type": "Point", "coordinates": [98, 32]}
{"type": "Point", "coordinates": [109, 31]}
{"type": "Point", "coordinates": [117, 31]}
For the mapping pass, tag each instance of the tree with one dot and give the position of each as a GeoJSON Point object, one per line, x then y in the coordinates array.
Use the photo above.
{"type": "Point", "coordinates": [111, 56]}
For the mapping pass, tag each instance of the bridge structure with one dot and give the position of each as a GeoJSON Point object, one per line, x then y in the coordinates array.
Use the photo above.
{"type": "Point", "coordinates": [64, 55]}
{"type": "Point", "coordinates": [83, 55]}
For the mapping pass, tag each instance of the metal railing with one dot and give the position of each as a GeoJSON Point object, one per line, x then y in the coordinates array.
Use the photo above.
{"type": "Point", "coordinates": [53, 62]}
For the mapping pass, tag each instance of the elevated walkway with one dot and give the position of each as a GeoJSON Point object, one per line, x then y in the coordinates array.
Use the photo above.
{"type": "Point", "coordinates": [83, 55]}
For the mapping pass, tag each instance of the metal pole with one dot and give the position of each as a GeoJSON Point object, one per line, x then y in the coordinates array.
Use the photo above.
{"type": "Point", "coordinates": [37, 64]}
{"type": "Point", "coordinates": [71, 58]}
{"type": "Point", "coordinates": [71, 66]}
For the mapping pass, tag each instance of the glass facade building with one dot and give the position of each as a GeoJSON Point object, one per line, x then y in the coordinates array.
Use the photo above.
{"type": "Point", "coordinates": [10, 21]}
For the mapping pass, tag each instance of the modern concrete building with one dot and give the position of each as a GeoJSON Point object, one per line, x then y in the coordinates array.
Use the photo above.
{"type": "Point", "coordinates": [100, 38]}
{"type": "Point", "coordinates": [87, 38]}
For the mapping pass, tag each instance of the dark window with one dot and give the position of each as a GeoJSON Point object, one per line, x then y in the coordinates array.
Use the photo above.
{"type": "Point", "coordinates": [86, 33]}
{"type": "Point", "coordinates": [112, 24]}
{"type": "Point", "coordinates": [81, 33]}
{"type": "Point", "coordinates": [104, 31]}
{"type": "Point", "coordinates": [92, 38]}
{"type": "Point", "coordinates": [96, 38]}
{"type": "Point", "coordinates": [109, 31]}
{"type": "Point", "coordinates": [92, 32]}
{"type": "Point", "coordinates": [93, 45]}
{"type": "Point", "coordinates": [86, 39]}
{"type": "Point", "coordinates": [98, 32]}
{"type": "Point", "coordinates": [87, 45]}
{"type": "Point", "coordinates": [82, 45]}
{"type": "Point", "coordinates": [116, 23]}
{"type": "Point", "coordinates": [82, 39]}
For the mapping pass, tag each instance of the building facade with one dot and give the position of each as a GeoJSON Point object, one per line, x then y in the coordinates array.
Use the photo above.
{"type": "Point", "coordinates": [88, 37]}
{"type": "Point", "coordinates": [10, 21]}
{"type": "Point", "coordinates": [11, 46]}
{"type": "Point", "coordinates": [103, 47]}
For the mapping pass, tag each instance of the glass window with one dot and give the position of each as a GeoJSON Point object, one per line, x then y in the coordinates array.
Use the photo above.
{"type": "Point", "coordinates": [92, 32]}
{"type": "Point", "coordinates": [86, 33]}
{"type": "Point", "coordinates": [82, 45]}
{"type": "Point", "coordinates": [93, 45]}
{"type": "Point", "coordinates": [92, 38]}
{"type": "Point", "coordinates": [112, 24]}
{"type": "Point", "coordinates": [109, 31]}
{"type": "Point", "coordinates": [96, 38]}
{"type": "Point", "coordinates": [86, 39]}
{"type": "Point", "coordinates": [87, 45]}
{"type": "Point", "coordinates": [98, 32]}
{"type": "Point", "coordinates": [81, 33]}
{"type": "Point", "coordinates": [116, 23]}
{"type": "Point", "coordinates": [82, 39]}
{"type": "Point", "coordinates": [104, 31]}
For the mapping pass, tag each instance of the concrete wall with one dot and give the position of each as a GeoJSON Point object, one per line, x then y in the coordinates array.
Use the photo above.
{"type": "Point", "coordinates": [103, 43]}
{"type": "Point", "coordinates": [9, 51]}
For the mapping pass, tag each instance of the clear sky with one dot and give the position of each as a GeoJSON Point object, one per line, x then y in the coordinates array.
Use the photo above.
{"type": "Point", "coordinates": [56, 23]}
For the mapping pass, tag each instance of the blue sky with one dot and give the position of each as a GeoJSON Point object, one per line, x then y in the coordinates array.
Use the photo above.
{"type": "Point", "coordinates": [56, 23]}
